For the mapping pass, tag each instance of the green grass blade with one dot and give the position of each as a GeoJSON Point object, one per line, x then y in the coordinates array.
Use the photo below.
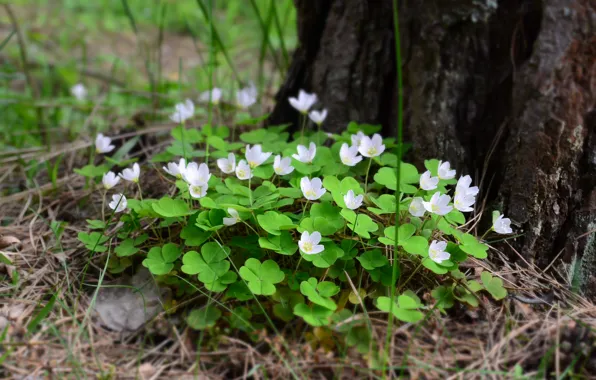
{"type": "Point", "coordinates": [400, 113]}
{"type": "Point", "coordinates": [217, 39]}
{"type": "Point", "coordinates": [7, 39]}
{"type": "Point", "coordinates": [43, 313]}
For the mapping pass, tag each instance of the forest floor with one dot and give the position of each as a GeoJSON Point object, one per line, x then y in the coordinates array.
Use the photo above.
{"type": "Point", "coordinates": [48, 327]}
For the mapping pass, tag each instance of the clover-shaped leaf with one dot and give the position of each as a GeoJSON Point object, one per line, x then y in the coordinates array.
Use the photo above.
{"type": "Point", "coordinates": [385, 204]}
{"type": "Point", "coordinates": [261, 277]}
{"type": "Point", "coordinates": [493, 285]}
{"type": "Point", "coordinates": [408, 176]}
{"type": "Point", "coordinates": [321, 293]}
{"type": "Point", "coordinates": [274, 222]}
{"type": "Point", "coordinates": [314, 315]}
{"type": "Point", "coordinates": [371, 260]}
{"type": "Point", "coordinates": [160, 260]}
{"type": "Point", "coordinates": [211, 220]}
{"type": "Point", "coordinates": [339, 189]}
{"type": "Point", "coordinates": [362, 224]}
{"type": "Point", "coordinates": [171, 208]}
{"type": "Point", "coordinates": [283, 244]}
{"type": "Point", "coordinates": [129, 247]}
{"type": "Point", "coordinates": [472, 246]}
{"type": "Point", "coordinates": [405, 309]}
{"type": "Point", "coordinates": [326, 258]}
{"type": "Point", "coordinates": [93, 241]}
{"type": "Point", "coordinates": [200, 319]}
{"type": "Point", "coordinates": [211, 265]}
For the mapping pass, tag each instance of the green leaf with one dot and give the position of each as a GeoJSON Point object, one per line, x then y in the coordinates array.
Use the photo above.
{"type": "Point", "coordinates": [385, 204]}
{"type": "Point", "coordinates": [371, 260]}
{"type": "Point", "coordinates": [444, 296]}
{"type": "Point", "coordinates": [160, 260]}
{"type": "Point", "coordinates": [363, 225]}
{"type": "Point", "coordinates": [200, 319]}
{"type": "Point", "coordinates": [188, 136]}
{"type": "Point", "coordinates": [273, 222]}
{"type": "Point", "coordinates": [472, 246]}
{"type": "Point", "coordinates": [287, 299]}
{"type": "Point", "coordinates": [493, 285]}
{"type": "Point", "coordinates": [211, 265]}
{"type": "Point", "coordinates": [339, 188]}
{"type": "Point", "coordinates": [126, 248]}
{"type": "Point", "coordinates": [367, 129]}
{"type": "Point", "coordinates": [171, 208]}
{"type": "Point", "coordinates": [261, 277]}
{"type": "Point", "coordinates": [95, 224]}
{"type": "Point", "coordinates": [326, 258]}
{"type": "Point", "coordinates": [321, 293]}
{"type": "Point", "coordinates": [404, 309]}
{"type": "Point", "coordinates": [283, 244]}
{"type": "Point", "coordinates": [93, 241]}
{"type": "Point", "coordinates": [314, 315]}
{"type": "Point", "coordinates": [408, 176]}
{"type": "Point", "coordinates": [211, 220]}
{"type": "Point", "coordinates": [92, 171]}
{"type": "Point", "coordinates": [416, 245]}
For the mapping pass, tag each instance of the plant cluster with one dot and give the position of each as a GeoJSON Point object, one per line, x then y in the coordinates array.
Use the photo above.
{"type": "Point", "coordinates": [315, 227]}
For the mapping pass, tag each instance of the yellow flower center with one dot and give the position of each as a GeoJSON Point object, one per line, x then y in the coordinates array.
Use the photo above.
{"type": "Point", "coordinates": [310, 193]}
{"type": "Point", "coordinates": [435, 208]}
{"type": "Point", "coordinates": [241, 173]}
{"type": "Point", "coordinates": [433, 253]}
{"type": "Point", "coordinates": [252, 164]}
{"type": "Point", "coordinates": [197, 189]}
{"type": "Point", "coordinates": [307, 247]}
{"type": "Point", "coordinates": [372, 151]}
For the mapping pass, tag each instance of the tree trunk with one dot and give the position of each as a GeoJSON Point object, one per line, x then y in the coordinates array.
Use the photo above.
{"type": "Point", "coordinates": [505, 91]}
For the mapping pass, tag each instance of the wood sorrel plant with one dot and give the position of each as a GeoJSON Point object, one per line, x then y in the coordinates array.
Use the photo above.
{"type": "Point", "coordinates": [295, 229]}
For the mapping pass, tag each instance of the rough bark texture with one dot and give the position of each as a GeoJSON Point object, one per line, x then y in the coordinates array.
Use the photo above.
{"type": "Point", "coordinates": [505, 90]}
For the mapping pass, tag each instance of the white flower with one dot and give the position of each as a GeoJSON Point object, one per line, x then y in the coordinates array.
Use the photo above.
{"type": "Point", "coordinates": [357, 138]}
{"type": "Point", "coordinates": [79, 91]}
{"type": "Point", "coordinates": [312, 189]}
{"type": "Point", "coordinates": [464, 202]}
{"type": "Point", "coordinates": [131, 175]}
{"type": "Point", "coordinates": [371, 147]}
{"type": "Point", "coordinates": [445, 171]}
{"type": "Point", "coordinates": [349, 155]}
{"type": "Point", "coordinates": [502, 225]}
{"type": "Point", "coordinates": [318, 117]}
{"type": "Point", "coordinates": [198, 190]}
{"type": "Point", "coordinates": [465, 196]}
{"type": "Point", "coordinates": [309, 243]}
{"type": "Point", "coordinates": [118, 203]}
{"type": "Point", "coordinates": [303, 102]}
{"type": "Point", "coordinates": [103, 144]}
{"type": "Point", "coordinates": [282, 165]}
{"type": "Point", "coordinates": [243, 170]}
{"type": "Point", "coordinates": [463, 186]}
{"type": "Point", "coordinates": [197, 175]}
{"type": "Point", "coordinates": [213, 96]}
{"type": "Point", "coordinates": [417, 207]}
{"type": "Point", "coordinates": [427, 182]}
{"type": "Point", "coordinates": [234, 219]}
{"type": "Point", "coordinates": [353, 202]}
{"type": "Point", "coordinates": [306, 155]}
{"type": "Point", "coordinates": [255, 155]}
{"type": "Point", "coordinates": [176, 169]}
{"type": "Point", "coordinates": [437, 253]}
{"type": "Point", "coordinates": [227, 165]}
{"type": "Point", "coordinates": [438, 204]}
{"type": "Point", "coordinates": [183, 111]}
{"type": "Point", "coordinates": [109, 180]}
{"type": "Point", "coordinates": [246, 97]}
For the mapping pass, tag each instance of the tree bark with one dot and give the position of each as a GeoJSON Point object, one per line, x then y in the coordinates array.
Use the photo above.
{"type": "Point", "coordinates": [505, 91]}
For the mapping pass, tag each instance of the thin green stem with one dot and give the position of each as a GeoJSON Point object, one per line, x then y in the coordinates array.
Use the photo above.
{"type": "Point", "coordinates": [303, 116]}
{"type": "Point", "coordinates": [366, 178]}
{"type": "Point", "coordinates": [400, 121]}
{"type": "Point", "coordinates": [103, 205]}
{"type": "Point", "coordinates": [250, 188]}
{"type": "Point", "coordinates": [140, 191]}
